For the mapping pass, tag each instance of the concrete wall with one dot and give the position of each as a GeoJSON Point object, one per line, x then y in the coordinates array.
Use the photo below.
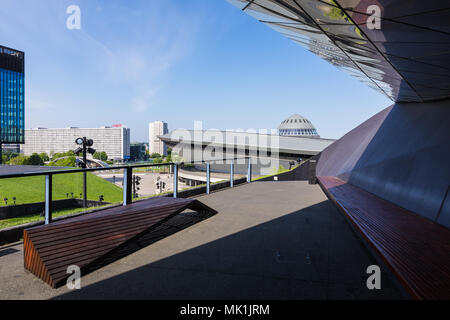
{"type": "Point", "coordinates": [402, 155]}
{"type": "Point", "coordinates": [305, 172]}
{"type": "Point", "coordinates": [260, 167]}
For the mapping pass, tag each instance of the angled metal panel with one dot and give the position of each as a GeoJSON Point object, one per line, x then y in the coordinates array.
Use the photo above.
{"type": "Point", "coordinates": [407, 58]}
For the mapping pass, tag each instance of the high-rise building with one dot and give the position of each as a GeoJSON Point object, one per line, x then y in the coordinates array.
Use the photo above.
{"type": "Point", "coordinates": [12, 96]}
{"type": "Point", "coordinates": [115, 141]}
{"type": "Point", "coordinates": [156, 129]}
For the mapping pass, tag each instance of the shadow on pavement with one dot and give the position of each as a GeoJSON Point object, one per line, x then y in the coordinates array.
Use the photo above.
{"type": "Point", "coordinates": [307, 254]}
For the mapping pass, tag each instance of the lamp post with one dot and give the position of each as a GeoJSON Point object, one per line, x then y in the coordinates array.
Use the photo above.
{"type": "Point", "coordinates": [86, 145]}
{"type": "Point", "coordinates": [136, 183]}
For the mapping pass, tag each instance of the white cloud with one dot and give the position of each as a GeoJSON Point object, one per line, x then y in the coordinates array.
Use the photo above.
{"type": "Point", "coordinates": [142, 101]}
{"type": "Point", "coordinates": [131, 46]}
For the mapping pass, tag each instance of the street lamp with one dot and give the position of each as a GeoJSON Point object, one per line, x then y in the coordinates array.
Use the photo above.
{"type": "Point", "coordinates": [136, 182]}
{"type": "Point", "coordinates": [86, 145]}
{"type": "Point", "coordinates": [79, 141]}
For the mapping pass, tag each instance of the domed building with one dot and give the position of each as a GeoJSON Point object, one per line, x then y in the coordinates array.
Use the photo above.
{"type": "Point", "coordinates": [297, 126]}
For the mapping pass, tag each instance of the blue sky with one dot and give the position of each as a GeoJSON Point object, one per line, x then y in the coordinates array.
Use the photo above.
{"type": "Point", "coordinates": [179, 61]}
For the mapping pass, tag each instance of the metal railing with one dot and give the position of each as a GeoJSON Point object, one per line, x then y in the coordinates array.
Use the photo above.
{"type": "Point", "coordinates": [127, 178]}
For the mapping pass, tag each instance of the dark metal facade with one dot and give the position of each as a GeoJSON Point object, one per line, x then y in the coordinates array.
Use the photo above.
{"type": "Point", "coordinates": [12, 96]}
{"type": "Point", "coordinates": [407, 58]}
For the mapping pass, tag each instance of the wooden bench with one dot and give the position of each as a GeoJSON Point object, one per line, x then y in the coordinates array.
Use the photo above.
{"type": "Point", "coordinates": [86, 240]}
{"type": "Point", "coordinates": [416, 249]}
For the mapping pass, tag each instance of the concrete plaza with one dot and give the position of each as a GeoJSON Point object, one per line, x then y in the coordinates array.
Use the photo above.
{"type": "Point", "coordinates": [270, 240]}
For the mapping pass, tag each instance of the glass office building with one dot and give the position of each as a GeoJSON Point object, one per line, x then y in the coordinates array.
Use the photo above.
{"type": "Point", "coordinates": [12, 96]}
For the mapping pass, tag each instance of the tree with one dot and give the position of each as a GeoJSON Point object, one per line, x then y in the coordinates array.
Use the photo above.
{"type": "Point", "coordinates": [100, 155]}
{"type": "Point", "coordinates": [65, 162]}
{"type": "Point", "coordinates": [13, 155]}
{"type": "Point", "coordinates": [44, 156]}
{"type": "Point", "coordinates": [157, 160]}
{"type": "Point", "coordinates": [103, 156]}
{"type": "Point", "coordinates": [34, 160]}
{"type": "Point", "coordinates": [155, 155]}
{"type": "Point", "coordinates": [169, 158]}
{"type": "Point", "coordinates": [21, 160]}
{"type": "Point", "coordinates": [18, 161]}
{"type": "Point", "coordinates": [69, 153]}
{"type": "Point", "coordinates": [8, 155]}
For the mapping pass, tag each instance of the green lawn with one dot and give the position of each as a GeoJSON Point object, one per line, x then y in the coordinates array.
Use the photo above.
{"type": "Point", "coordinates": [32, 189]}
{"type": "Point", "coordinates": [7, 223]}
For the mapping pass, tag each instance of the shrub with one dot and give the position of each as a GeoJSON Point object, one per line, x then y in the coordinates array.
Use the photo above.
{"type": "Point", "coordinates": [34, 160]}
{"type": "Point", "coordinates": [66, 162]}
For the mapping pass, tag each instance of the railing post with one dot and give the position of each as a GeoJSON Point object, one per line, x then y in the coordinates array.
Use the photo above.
{"type": "Point", "coordinates": [84, 175]}
{"type": "Point", "coordinates": [249, 172]}
{"type": "Point", "coordinates": [232, 174]}
{"type": "Point", "coordinates": [127, 184]}
{"type": "Point", "coordinates": [208, 177]}
{"type": "Point", "coordinates": [48, 199]}
{"type": "Point", "coordinates": [84, 190]}
{"type": "Point", "coordinates": [175, 180]}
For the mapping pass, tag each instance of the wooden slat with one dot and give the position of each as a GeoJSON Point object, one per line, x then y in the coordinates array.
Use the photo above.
{"type": "Point", "coordinates": [416, 249]}
{"type": "Point", "coordinates": [106, 214]}
{"type": "Point", "coordinates": [79, 231]}
{"type": "Point", "coordinates": [85, 240]}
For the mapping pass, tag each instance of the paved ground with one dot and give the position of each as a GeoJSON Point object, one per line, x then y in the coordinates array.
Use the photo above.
{"type": "Point", "coordinates": [148, 182]}
{"type": "Point", "coordinates": [270, 240]}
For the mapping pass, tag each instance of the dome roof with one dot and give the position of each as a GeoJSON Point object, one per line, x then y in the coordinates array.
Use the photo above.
{"type": "Point", "coordinates": [299, 126]}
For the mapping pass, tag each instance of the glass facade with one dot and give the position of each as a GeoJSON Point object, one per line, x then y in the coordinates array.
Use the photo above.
{"type": "Point", "coordinates": [406, 57]}
{"type": "Point", "coordinates": [12, 96]}
{"type": "Point", "coordinates": [298, 132]}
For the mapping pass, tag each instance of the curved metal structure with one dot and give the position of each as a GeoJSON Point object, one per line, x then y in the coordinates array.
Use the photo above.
{"type": "Point", "coordinates": [403, 50]}
{"type": "Point", "coordinates": [398, 159]}
{"type": "Point", "coordinates": [398, 47]}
